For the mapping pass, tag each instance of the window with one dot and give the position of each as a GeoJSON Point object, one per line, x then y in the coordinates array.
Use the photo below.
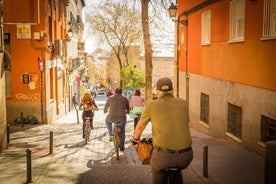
{"type": "Point", "coordinates": [234, 120]}
{"type": "Point", "coordinates": [204, 108]}
{"type": "Point", "coordinates": [269, 25]}
{"type": "Point", "coordinates": [206, 27]}
{"type": "Point", "coordinates": [237, 11]}
{"type": "Point", "coordinates": [268, 129]}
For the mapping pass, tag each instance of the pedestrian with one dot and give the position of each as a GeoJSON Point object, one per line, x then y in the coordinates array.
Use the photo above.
{"type": "Point", "coordinates": [74, 100]}
{"type": "Point", "coordinates": [137, 104]}
{"type": "Point", "coordinates": [88, 104]}
{"type": "Point", "coordinates": [170, 132]}
{"type": "Point", "coordinates": [130, 94]}
{"type": "Point", "coordinates": [117, 107]}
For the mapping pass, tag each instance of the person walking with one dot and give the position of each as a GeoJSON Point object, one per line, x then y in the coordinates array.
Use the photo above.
{"type": "Point", "coordinates": [137, 104]}
{"type": "Point", "coordinates": [74, 100]}
{"type": "Point", "coordinates": [117, 107]}
{"type": "Point", "coordinates": [172, 142]}
{"type": "Point", "coordinates": [87, 103]}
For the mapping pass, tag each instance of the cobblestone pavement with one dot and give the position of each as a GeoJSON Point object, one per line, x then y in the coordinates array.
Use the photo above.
{"type": "Point", "coordinates": [74, 162]}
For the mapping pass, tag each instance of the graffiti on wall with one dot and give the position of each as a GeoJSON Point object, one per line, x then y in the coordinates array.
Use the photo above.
{"type": "Point", "coordinates": [28, 97]}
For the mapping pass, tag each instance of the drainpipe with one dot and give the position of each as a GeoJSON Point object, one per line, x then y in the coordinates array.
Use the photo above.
{"type": "Point", "coordinates": [29, 23]}
{"type": "Point", "coordinates": [185, 22]}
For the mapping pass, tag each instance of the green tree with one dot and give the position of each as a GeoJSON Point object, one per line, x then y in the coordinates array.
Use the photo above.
{"type": "Point", "coordinates": [132, 77]}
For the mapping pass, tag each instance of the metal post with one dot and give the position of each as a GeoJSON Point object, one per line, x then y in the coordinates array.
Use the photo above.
{"type": "Point", "coordinates": [51, 143]}
{"type": "Point", "coordinates": [41, 95]}
{"type": "Point", "coordinates": [29, 165]}
{"type": "Point", "coordinates": [8, 133]}
{"type": "Point", "coordinates": [205, 161]}
{"type": "Point", "coordinates": [22, 119]}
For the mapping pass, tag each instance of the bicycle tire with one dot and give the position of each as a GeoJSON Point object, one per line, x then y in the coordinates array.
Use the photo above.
{"type": "Point", "coordinates": [116, 144]}
{"type": "Point", "coordinates": [86, 132]}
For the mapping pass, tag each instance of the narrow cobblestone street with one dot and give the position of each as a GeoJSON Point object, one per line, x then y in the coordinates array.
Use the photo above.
{"type": "Point", "coordinates": [74, 162]}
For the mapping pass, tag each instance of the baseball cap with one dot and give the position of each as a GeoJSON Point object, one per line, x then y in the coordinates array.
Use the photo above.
{"type": "Point", "coordinates": [164, 84]}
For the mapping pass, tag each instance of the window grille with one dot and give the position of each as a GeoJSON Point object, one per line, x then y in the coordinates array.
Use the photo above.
{"type": "Point", "coordinates": [206, 27]}
{"type": "Point", "coordinates": [204, 108]}
{"type": "Point", "coordinates": [268, 129]}
{"type": "Point", "coordinates": [237, 14]}
{"type": "Point", "coordinates": [234, 120]}
{"type": "Point", "coordinates": [269, 23]}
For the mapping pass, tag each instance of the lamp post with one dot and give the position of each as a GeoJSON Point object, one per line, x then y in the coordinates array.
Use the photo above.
{"type": "Point", "coordinates": [174, 14]}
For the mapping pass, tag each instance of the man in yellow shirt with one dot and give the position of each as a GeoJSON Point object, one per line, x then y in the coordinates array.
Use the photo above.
{"type": "Point", "coordinates": [170, 133]}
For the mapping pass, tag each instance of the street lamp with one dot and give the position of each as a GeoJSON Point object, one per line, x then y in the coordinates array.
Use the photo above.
{"type": "Point", "coordinates": [172, 10]}
{"type": "Point", "coordinates": [174, 14]}
{"type": "Point", "coordinates": [70, 33]}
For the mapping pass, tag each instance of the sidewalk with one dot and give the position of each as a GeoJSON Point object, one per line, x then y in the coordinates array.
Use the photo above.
{"type": "Point", "coordinates": [73, 162]}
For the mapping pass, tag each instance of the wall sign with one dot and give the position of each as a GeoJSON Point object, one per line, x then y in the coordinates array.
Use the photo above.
{"type": "Point", "coordinates": [23, 31]}
{"type": "Point", "coordinates": [25, 78]}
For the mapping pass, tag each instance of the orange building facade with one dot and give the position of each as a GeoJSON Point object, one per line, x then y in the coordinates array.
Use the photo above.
{"type": "Point", "coordinates": [227, 74]}
{"type": "Point", "coordinates": [36, 35]}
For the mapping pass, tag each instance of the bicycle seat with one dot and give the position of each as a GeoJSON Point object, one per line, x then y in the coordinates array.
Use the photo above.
{"type": "Point", "coordinates": [87, 118]}
{"type": "Point", "coordinates": [174, 169]}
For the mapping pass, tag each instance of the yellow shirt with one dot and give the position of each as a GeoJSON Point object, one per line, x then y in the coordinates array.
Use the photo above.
{"type": "Point", "coordinates": [170, 125]}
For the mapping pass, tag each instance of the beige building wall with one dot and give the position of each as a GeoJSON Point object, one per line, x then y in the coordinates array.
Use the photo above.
{"type": "Point", "coordinates": [161, 67]}
{"type": "Point", "coordinates": [253, 101]}
{"type": "Point", "coordinates": [3, 122]}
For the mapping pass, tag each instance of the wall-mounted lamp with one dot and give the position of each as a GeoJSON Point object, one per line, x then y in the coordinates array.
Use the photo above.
{"type": "Point", "coordinates": [172, 10]}
{"type": "Point", "coordinates": [49, 45]}
{"type": "Point", "coordinates": [70, 33]}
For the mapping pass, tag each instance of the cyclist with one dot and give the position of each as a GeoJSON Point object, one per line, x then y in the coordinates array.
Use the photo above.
{"type": "Point", "coordinates": [170, 132]}
{"type": "Point", "coordinates": [118, 107]}
{"type": "Point", "coordinates": [88, 104]}
{"type": "Point", "coordinates": [137, 104]}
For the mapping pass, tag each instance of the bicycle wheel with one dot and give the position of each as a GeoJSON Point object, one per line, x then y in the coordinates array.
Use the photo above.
{"type": "Point", "coordinates": [86, 132]}
{"type": "Point", "coordinates": [116, 144]}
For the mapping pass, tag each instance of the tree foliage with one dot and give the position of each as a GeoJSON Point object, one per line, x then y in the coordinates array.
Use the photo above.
{"type": "Point", "coordinates": [116, 24]}
{"type": "Point", "coordinates": [132, 77]}
{"type": "Point", "coordinates": [120, 23]}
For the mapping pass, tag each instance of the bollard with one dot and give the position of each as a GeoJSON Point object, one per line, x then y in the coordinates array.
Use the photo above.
{"type": "Point", "coordinates": [8, 133]}
{"type": "Point", "coordinates": [205, 161]}
{"type": "Point", "coordinates": [29, 165]}
{"type": "Point", "coordinates": [51, 143]}
{"type": "Point", "coordinates": [22, 119]}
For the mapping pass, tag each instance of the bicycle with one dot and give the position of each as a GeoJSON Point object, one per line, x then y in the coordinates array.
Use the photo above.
{"type": "Point", "coordinates": [175, 175]}
{"type": "Point", "coordinates": [117, 140]}
{"type": "Point", "coordinates": [87, 129]}
{"type": "Point", "coordinates": [135, 114]}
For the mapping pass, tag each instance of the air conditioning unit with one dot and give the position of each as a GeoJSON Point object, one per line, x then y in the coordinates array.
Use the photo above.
{"type": "Point", "coordinates": [58, 47]}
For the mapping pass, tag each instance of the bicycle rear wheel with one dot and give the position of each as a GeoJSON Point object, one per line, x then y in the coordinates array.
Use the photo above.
{"type": "Point", "coordinates": [86, 132]}
{"type": "Point", "coordinates": [117, 145]}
